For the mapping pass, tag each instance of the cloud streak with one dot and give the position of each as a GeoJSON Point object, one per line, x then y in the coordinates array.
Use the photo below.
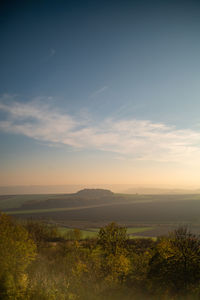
{"type": "Point", "coordinates": [99, 91]}
{"type": "Point", "coordinates": [133, 139]}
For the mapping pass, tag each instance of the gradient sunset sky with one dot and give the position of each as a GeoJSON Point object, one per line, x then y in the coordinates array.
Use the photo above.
{"type": "Point", "coordinates": [100, 92]}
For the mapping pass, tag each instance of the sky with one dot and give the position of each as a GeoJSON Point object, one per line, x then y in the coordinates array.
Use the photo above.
{"type": "Point", "coordinates": [100, 92]}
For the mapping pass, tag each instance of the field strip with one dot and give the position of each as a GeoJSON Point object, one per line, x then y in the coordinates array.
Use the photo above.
{"type": "Point", "coordinates": [133, 230]}
{"type": "Point", "coordinates": [47, 210]}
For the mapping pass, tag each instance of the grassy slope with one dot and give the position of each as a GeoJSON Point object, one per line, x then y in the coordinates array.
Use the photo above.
{"type": "Point", "coordinates": [60, 209]}
{"type": "Point", "coordinates": [15, 201]}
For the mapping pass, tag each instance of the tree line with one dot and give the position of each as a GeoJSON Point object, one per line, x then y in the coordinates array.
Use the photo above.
{"type": "Point", "coordinates": [36, 263]}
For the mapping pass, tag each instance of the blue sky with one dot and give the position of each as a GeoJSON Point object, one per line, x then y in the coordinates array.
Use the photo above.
{"type": "Point", "coordinates": [100, 92]}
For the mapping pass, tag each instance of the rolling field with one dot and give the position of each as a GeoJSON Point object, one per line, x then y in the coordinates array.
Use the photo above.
{"type": "Point", "coordinates": [31, 202]}
{"type": "Point", "coordinates": [158, 213]}
{"type": "Point", "coordinates": [148, 212]}
{"type": "Point", "coordinates": [16, 201]}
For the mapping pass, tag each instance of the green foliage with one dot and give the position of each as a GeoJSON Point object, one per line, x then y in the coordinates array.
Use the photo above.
{"type": "Point", "coordinates": [17, 251]}
{"type": "Point", "coordinates": [175, 264]}
{"type": "Point", "coordinates": [41, 232]}
{"type": "Point", "coordinates": [111, 267]}
{"type": "Point", "coordinates": [115, 262]}
{"type": "Point", "coordinates": [112, 238]}
{"type": "Point", "coordinates": [74, 234]}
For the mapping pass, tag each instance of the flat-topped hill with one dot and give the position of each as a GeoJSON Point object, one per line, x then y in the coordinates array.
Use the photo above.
{"type": "Point", "coordinates": [89, 193]}
{"type": "Point", "coordinates": [83, 197]}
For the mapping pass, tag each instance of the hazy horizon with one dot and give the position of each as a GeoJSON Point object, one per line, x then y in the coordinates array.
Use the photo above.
{"type": "Point", "coordinates": [100, 92]}
{"type": "Point", "coordinates": [116, 188]}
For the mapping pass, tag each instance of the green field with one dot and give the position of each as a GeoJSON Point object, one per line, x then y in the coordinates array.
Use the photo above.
{"type": "Point", "coordinates": [84, 233]}
{"type": "Point", "coordinates": [93, 232]}
{"type": "Point", "coordinates": [133, 230]}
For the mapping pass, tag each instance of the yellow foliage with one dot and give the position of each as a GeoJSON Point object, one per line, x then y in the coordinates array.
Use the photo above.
{"type": "Point", "coordinates": [165, 248]}
{"type": "Point", "coordinates": [80, 268]}
{"type": "Point", "coordinates": [17, 250]}
{"type": "Point", "coordinates": [118, 266]}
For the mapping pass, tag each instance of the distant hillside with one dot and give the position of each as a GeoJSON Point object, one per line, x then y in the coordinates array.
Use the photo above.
{"type": "Point", "coordinates": [94, 193]}
{"type": "Point", "coordinates": [159, 191]}
{"type": "Point", "coordinates": [81, 198]}
{"type": "Point", "coordinates": [69, 189]}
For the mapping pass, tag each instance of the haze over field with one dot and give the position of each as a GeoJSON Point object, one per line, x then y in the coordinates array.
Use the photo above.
{"type": "Point", "coordinates": [117, 188]}
{"type": "Point", "coordinates": [99, 93]}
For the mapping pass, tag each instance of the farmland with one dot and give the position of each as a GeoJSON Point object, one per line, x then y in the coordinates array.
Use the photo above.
{"type": "Point", "coordinates": [144, 215]}
{"type": "Point", "coordinates": [92, 232]}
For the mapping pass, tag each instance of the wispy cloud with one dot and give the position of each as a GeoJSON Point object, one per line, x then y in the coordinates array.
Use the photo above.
{"type": "Point", "coordinates": [99, 91]}
{"type": "Point", "coordinates": [133, 139]}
